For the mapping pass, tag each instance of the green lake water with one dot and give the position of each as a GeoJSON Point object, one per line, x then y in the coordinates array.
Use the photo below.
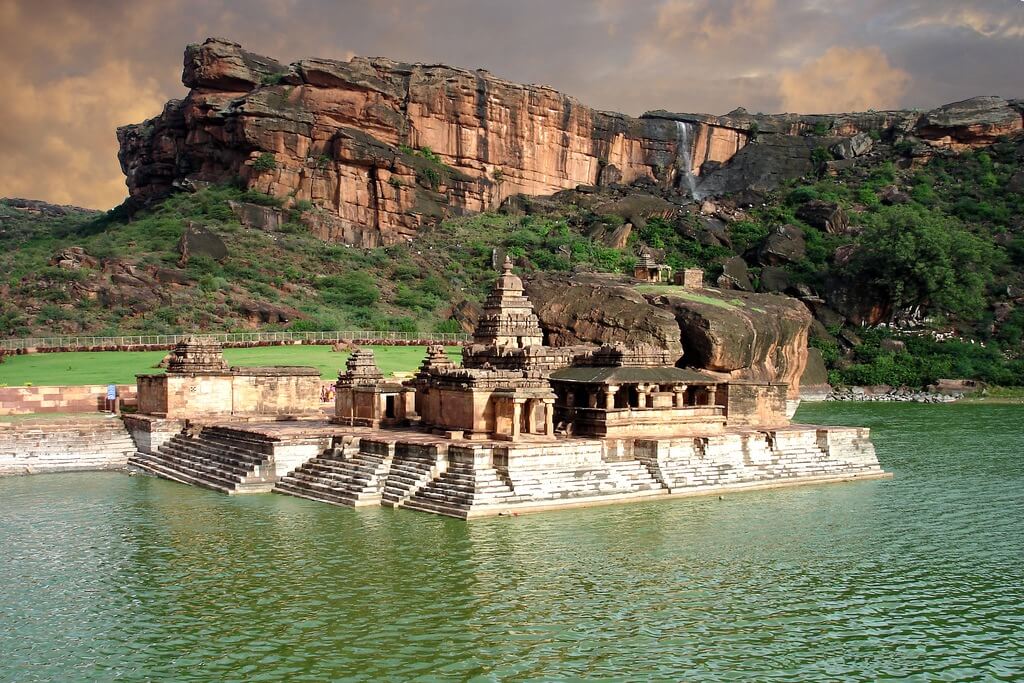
{"type": "Point", "coordinates": [110, 577]}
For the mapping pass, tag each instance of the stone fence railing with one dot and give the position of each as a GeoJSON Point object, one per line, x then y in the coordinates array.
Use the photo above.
{"type": "Point", "coordinates": [229, 339]}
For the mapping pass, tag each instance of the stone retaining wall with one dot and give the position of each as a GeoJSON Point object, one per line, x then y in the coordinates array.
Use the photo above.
{"type": "Point", "coordinates": [88, 398]}
{"type": "Point", "coordinates": [64, 446]}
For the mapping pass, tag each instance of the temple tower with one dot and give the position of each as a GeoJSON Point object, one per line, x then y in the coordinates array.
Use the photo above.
{"type": "Point", "coordinates": [508, 318]}
{"type": "Point", "coordinates": [197, 356]}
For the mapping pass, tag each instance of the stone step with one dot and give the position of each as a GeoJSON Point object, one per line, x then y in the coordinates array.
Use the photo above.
{"type": "Point", "coordinates": [197, 455]}
{"type": "Point", "coordinates": [222, 448]}
{"type": "Point", "coordinates": [155, 466]}
{"type": "Point", "coordinates": [241, 468]}
{"type": "Point", "coordinates": [320, 487]}
{"type": "Point", "coordinates": [218, 479]}
{"type": "Point", "coordinates": [286, 487]}
{"type": "Point", "coordinates": [435, 508]}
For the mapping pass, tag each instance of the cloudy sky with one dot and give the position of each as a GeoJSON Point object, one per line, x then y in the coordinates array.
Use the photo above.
{"type": "Point", "coordinates": [74, 70]}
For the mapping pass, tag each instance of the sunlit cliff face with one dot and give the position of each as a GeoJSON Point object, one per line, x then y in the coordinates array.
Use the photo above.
{"type": "Point", "coordinates": [76, 69]}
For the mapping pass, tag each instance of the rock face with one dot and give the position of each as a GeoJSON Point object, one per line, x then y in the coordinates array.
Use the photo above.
{"type": "Point", "coordinates": [737, 334]}
{"type": "Point", "coordinates": [973, 122]}
{"type": "Point", "coordinates": [382, 148]}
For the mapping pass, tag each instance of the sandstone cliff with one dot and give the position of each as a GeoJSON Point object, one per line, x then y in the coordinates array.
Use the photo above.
{"type": "Point", "coordinates": [738, 335]}
{"type": "Point", "coordinates": [381, 148]}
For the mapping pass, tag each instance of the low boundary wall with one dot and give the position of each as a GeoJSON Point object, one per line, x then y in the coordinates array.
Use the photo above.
{"type": "Point", "coordinates": [87, 398]}
{"type": "Point", "coordinates": [160, 342]}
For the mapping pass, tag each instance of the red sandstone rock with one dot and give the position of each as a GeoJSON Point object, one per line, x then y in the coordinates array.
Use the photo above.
{"type": "Point", "coordinates": [382, 148]}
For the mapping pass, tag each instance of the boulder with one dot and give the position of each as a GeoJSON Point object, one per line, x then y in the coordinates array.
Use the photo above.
{"type": "Point", "coordinates": [891, 195]}
{"type": "Point", "coordinates": [599, 309]}
{"type": "Point", "coordinates": [735, 275]}
{"type": "Point", "coordinates": [172, 276]}
{"type": "Point", "coordinates": [200, 240]}
{"type": "Point", "coordinates": [848, 148]}
{"type": "Point", "coordinates": [759, 337]}
{"type": "Point", "coordinates": [1016, 182]}
{"type": "Point", "coordinates": [844, 254]}
{"type": "Point", "coordinates": [785, 244]}
{"type": "Point", "coordinates": [739, 335]}
{"type": "Point", "coordinates": [773, 279]}
{"type": "Point", "coordinates": [74, 258]}
{"type": "Point", "coordinates": [264, 313]}
{"type": "Point", "coordinates": [610, 233]}
{"type": "Point", "coordinates": [827, 216]}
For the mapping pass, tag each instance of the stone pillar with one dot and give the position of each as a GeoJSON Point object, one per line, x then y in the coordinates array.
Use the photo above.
{"type": "Point", "coordinates": [712, 394]}
{"type": "Point", "coordinates": [517, 408]}
{"type": "Point", "coordinates": [679, 396]}
{"type": "Point", "coordinates": [549, 417]}
{"type": "Point", "coordinates": [644, 397]}
{"type": "Point", "coordinates": [609, 397]}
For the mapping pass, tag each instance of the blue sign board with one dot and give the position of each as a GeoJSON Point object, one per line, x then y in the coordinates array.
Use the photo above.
{"type": "Point", "coordinates": [111, 392]}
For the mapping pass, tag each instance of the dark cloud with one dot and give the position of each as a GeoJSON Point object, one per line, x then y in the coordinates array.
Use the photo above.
{"type": "Point", "coordinates": [76, 69]}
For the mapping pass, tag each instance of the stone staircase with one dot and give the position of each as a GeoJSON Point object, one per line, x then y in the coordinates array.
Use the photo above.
{"type": "Point", "coordinates": [759, 457]}
{"type": "Point", "coordinates": [609, 478]}
{"type": "Point", "coordinates": [413, 468]}
{"type": "Point", "coordinates": [463, 490]}
{"type": "Point", "coordinates": [803, 454]}
{"type": "Point", "coordinates": [458, 489]}
{"type": "Point", "coordinates": [68, 445]}
{"type": "Point", "coordinates": [342, 477]}
{"type": "Point", "coordinates": [217, 459]}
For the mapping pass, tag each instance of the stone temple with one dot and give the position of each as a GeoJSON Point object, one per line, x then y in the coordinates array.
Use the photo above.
{"type": "Point", "coordinates": [516, 427]}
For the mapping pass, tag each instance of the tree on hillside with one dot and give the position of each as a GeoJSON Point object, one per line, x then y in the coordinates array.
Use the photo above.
{"type": "Point", "coordinates": [917, 258]}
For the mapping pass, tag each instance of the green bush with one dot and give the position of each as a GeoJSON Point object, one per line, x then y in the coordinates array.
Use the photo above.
{"type": "Point", "coordinates": [449, 326]}
{"type": "Point", "coordinates": [802, 195]}
{"type": "Point", "coordinates": [821, 128]}
{"type": "Point", "coordinates": [820, 155]}
{"type": "Point", "coordinates": [355, 288]}
{"type": "Point", "coordinates": [265, 162]}
{"type": "Point", "coordinates": [746, 234]}
{"type": "Point", "coordinates": [430, 177]}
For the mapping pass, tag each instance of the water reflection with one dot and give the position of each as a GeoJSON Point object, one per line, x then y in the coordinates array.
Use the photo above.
{"type": "Point", "coordinates": [114, 576]}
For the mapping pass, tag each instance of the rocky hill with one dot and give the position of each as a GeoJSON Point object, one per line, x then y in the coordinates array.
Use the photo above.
{"type": "Point", "coordinates": [374, 194]}
{"type": "Point", "coordinates": [375, 149]}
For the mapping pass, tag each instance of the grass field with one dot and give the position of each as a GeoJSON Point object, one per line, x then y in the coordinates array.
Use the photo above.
{"type": "Point", "coordinates": [120, 367]}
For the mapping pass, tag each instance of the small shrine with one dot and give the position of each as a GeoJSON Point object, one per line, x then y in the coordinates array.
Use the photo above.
{"type": "Point", "coordinates": [649, 269]}
{"type": "Point", "coordinates": [362, 398]}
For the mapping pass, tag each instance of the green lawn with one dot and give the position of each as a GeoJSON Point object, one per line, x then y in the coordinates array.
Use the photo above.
{"type": "Point", "coordinates": [120, 367]}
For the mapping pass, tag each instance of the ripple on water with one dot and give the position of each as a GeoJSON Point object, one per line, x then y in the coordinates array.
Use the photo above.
{"type": "Point", "coordinates": [112, 577]}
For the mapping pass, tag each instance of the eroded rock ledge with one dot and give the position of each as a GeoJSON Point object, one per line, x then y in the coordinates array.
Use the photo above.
{"type": "Point", "coordinates": [737, 334]}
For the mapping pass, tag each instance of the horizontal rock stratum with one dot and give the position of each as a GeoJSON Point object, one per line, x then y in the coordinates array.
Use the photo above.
{"type": "Point", "coordinates": [381, 148]}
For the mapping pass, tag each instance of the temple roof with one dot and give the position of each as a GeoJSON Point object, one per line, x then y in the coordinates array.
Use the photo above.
{"type": "Point", "coordinates": [628, 375]}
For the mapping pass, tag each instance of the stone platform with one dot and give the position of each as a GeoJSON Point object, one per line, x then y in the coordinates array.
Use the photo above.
{"type": "Point", "coordinates": [405, 468]}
